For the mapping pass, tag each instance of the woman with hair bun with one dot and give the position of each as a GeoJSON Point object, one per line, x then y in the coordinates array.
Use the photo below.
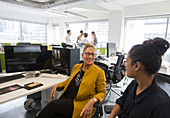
{"type": "Point", "coordinates": [143, 98]}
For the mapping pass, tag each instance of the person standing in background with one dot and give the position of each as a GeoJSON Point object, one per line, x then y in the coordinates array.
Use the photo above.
{"type": "Point", "coordinates": [81, 37]}
{"type": "Point", "coordinates": [94, 38]}
{"type": "Point", "coordinates": [68, 40]}
{"type": "Point", "coordinates": [85, 40]}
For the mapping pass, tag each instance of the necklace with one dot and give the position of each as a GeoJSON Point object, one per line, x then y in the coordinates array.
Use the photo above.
{"type": "Point", "coordinates": [78, 79]}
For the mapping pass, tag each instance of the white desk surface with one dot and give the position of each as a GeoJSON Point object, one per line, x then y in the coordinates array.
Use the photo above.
{"type": "Point", "coordinates": [47, 80]}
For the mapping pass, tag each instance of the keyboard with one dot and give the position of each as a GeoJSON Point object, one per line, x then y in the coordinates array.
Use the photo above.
{"type": "Point", "coordinates": [11, 77]}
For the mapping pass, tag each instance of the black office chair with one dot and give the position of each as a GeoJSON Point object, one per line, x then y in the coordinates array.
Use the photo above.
{"type": "Point", "coordinates": [103, 66]}
{"type": "Point", "coordinates": [116, 76]}
{"type": "Point", "coordinates": [116, 72]}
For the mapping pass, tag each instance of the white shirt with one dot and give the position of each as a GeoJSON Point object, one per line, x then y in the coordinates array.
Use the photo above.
{"type": "Point", "coordinates": [84, 40]}
{"type": "Point", "coordinates": [68, 40]}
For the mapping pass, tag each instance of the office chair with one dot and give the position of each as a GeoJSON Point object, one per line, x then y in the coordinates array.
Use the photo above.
{"type": "Point", "coordinates": [116, 76]}
{"type": "Point", "coordinates": [115, 73]}
{"type": "Point", "coordinates": [103, 66]}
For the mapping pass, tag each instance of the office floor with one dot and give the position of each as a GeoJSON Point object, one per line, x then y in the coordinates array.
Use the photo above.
{"type": "Point", "coordinates": [15, 109]}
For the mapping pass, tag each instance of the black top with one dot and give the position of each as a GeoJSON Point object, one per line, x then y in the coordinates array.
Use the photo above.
{"type": "Point", "coordinates": [72, 89]}
{"type": "Point", "coordinates": [153, 102]}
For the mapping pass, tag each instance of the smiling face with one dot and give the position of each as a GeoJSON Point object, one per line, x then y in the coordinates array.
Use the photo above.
{"type": "Point", "coordinates": [89, 56]}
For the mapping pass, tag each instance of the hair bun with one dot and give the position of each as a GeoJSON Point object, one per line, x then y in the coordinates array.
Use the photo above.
{"type": "Point", "coordinates": [160, 45]}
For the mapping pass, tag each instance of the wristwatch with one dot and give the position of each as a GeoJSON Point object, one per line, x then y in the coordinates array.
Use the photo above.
{"type": "Point", "coordinates": [94, 99]}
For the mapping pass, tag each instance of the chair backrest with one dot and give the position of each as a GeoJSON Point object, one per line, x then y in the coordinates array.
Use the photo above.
{"type": "Point", "coordinates": [117, 75]}
{"type": "Point", "coordinates": [103, 66]}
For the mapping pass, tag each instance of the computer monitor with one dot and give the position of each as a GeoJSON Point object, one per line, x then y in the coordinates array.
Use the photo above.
{"type": "Point", "coordinates": [111, 49]}
{"type": "Point", "coordinates": [27, 58]}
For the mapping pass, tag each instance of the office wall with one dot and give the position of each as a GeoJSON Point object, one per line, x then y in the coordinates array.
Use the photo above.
{"type": "Point", "coordinates": [115, 27]}
{"type": "Point", "coordinates": [159, 8]}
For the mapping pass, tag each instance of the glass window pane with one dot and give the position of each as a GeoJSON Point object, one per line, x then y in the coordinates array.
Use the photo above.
{"type": "Point", "coordinates": [75, 30]}
{"type": "Point", "coordinates": [139, 30]}
{"type": "Point", "coordinates": [101, 31]}
{"type": "Point", "coordinates": [34, 33]}
{"type": "Point", "coordinates": [56, 35]}
{"type": "Point", "coordinates": [9, 31]}
{"type": "Point", "coordinates": [166, 57]}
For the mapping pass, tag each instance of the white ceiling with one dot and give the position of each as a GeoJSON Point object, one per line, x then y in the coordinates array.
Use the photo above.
{"type": "Point", "coordinates": [92, 6]}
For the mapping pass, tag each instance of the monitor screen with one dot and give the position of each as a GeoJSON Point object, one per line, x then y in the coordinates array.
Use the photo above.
{"type": "Point", "coordinates": [111, 49]}
{"type": "Point", "coordinates": [27, 58]}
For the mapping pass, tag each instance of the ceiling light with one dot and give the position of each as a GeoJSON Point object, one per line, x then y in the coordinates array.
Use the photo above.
{"type": "Point", "coordinates": [79, 9]}
{"type": "Point", "coordinates": [75, 14]}
{"type": "Point", "coordinates": [56, 12]}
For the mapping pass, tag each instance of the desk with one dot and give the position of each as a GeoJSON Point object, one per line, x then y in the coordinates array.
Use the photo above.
{"type": "Point", "coordinates": [47, 80]}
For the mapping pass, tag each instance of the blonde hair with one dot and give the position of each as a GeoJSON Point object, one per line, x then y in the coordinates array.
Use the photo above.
{"type": "Point", "coordinates": [87, 46]}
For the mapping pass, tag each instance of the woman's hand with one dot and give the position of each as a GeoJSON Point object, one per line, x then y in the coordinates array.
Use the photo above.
{"type": "Point", "coordinates": [87, 110]}
{"type": "Point", "coordinates": [53, 92]}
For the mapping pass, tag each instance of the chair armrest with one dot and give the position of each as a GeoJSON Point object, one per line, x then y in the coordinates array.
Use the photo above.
{"type": "Point", "coordinates": [105, 99]}
{"type": "Point", "coordinates": [60, 89]}
{"type": "Point", "coordinates": [108, 108]}
{"type": "Point", "coordinates": [113, 64]}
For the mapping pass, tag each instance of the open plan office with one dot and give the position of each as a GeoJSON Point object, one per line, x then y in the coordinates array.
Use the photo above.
{"type": "Point", "coordinates": [41, 41]}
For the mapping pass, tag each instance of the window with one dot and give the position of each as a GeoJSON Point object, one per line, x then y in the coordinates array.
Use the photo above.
{"type": "Point", "coordinates": [56, 34]}
{"type": "Point", "coordinates": [75, 30]}
{"type": "Point", "coordinates": [9, 31]}
{"type": "Point", "coordinates": [16, 31]}
{"type": "Point", "coordinates": [34, 33]}
{"type": "Point", "coordinates": [166, 57]}
{"type": "Point", "coordinates": [101, 31]}
{"type": "Point", "coordinates": [99, 27]}
{"type": "Point", "coordinates": [140, 29]}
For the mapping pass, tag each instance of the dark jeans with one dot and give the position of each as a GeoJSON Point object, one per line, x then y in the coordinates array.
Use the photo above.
{"type": "Point", "coordinates": [60, 108]}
